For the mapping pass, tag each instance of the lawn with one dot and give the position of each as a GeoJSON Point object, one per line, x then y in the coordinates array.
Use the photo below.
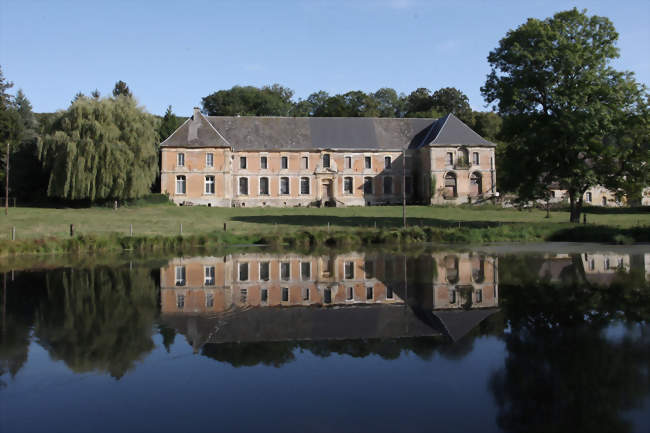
{"type": "Point", "coordinates": [163, 219]}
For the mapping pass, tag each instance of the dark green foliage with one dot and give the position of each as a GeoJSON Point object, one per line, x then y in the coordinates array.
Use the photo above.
{"type": "Point", "coordinates": [101, 149]}
{"type": "Point", "coordinates": [168, 124]}
{"type": "Point", "coordinates": [451, 100]}
{"type": "Point", "coordinates": [272, 100]}
{"type": "Point", "coordinates": [562, 103]}
{"type": "Point", "coordinates": [120, 89]}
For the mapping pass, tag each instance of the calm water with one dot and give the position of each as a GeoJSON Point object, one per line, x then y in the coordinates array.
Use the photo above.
{"type": "Point", "coordinates": [444, 340]}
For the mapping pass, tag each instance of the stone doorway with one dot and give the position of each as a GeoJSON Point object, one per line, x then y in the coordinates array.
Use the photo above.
{"type": "Point", "coordinates": [326, 195]}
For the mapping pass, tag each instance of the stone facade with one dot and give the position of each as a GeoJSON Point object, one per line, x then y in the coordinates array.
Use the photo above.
{"type": "Point", "coordinates": [248, 165]}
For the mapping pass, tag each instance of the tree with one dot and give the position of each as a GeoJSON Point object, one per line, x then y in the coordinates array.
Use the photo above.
{"type": "Point", "coordinates": [313, 103]}
{"type": "Point", "coordinates": [272, 100]}
{"type": "Point", "coordinates": [351, 104]}
{"type": "Point", "coordinates": [168, 124]}
{"type": "Point", "coordinates": [451, 100]}
{"type": "Point", "coordinates": [11, 130]}
{"type": "Point", "coordinates": [101, 149]}
{"type": "Point", "coordinates": [120, 89]}
{"type": "Point", "coordinates": [389, 103]}
{"type": "Point", "coordinates": [560, 99]}
{"type": "Point", "coordinates": [419, 103]}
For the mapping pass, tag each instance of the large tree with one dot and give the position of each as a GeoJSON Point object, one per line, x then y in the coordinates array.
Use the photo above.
{"type": "Point", "coordinates": [168, 124]}
{"type": "Point", "coordinates": [560, 100]}
{"type": "Point", "coordinates": [451, 100]}
{"type": "Point", "coordinates": [11, 132]}
{"type": "Point", "coordinates": [272, 100]}
{"type": "Point", "coordinates": [101, 149]}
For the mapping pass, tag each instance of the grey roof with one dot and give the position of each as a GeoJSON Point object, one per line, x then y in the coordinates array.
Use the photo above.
{"type": "Point", "coordinates": [459, 323]}
{"type": "Point", "coordinates": [336, 133]}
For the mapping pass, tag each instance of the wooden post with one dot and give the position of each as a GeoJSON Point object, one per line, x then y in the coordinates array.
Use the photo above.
{"type": "Point", "coordinates": [328, 226]}
{"type": "Point", "coordinates": [115, 205]}
{"type": "Point", "coordinates": [13, 233]}
{"type": "Point", "coordinates": [71, 229]}
{"type": "Point", "coordinates": [584, 218]}
{"type": "Point", "coordinates": [181, 228]}
{"type": "Point", "coordinates": [224, 227]}
{"type": "Point", "coordinates": [131, 230]}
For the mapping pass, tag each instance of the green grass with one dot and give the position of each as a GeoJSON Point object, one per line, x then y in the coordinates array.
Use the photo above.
{"type": "Point", "coordinates": [97, 226]}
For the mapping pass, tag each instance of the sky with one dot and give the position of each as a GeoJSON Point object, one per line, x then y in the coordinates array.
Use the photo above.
{"type": "Point", "coordinates": [175, 53]}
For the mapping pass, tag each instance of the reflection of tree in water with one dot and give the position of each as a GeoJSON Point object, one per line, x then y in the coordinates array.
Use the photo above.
{"type": "Point", "coordinates": [563, 372]}
{"type": "Point", "coordinates": [98, 319]}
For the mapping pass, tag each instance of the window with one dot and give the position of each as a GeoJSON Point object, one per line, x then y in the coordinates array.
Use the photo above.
{"type": "Point", "coordinates": [592, 265]}
{"type": "Point", "coordinates": [304, 162]}
{"type": "Point", "coordinates": [180, 301]}
{"type": "Point", "coordinates": [264, 271]}
{"type": "Point", "coordinates": [209, 159]}
{"type": "Point", "coordinates": [285, 162]}
{"type": "Point", "coordinates": [180, 275]}
{"type": "Point", "coordinates": [305, 270]}
{"type": "Point", "coordinates": [180, 159]}
{"type": "Point", "coordinates": [264, 296]}
{"type": "Point", "coordinates": [242, 162]}
{"type": "Point", "coordinates": [408, 187]}
{"type": "Point", "coordinates": [350, 293]}
{"type": "Point", "coordinates": [475, 159]}
{"type": "Point", "coordinates": [388, 185]}
{"type": "Point", "coordinates": [389, 293]}
{"type": "Point", "coordinates": [369, 293]}
{"type": "Point", "coordinates": [243, 185]}
{"type": "Point", "coordinates": [367, 185]}
{"type": "Point", "coordinates": [180, 184]}
{"type": "Point", "coordinates": [305, 294]}
{"type": "Point", "coordinates": [243, 272]}
{"type": "Point", "coordinates": [264, 186]}
{"type": "Point", "coordinates": [369, 269]}
{"type": "Point", "coordinates": [263, 162]}
{"type": "Point", "coordinates": [368, 162]}
{"type": "Point", "coordinates": [479, 296]}
{"type": "Point", "coordinates": [284, 185]}
{"type": "Point", "coordinates": [349, 270]}
{"type": "Point", "coordinates": [452, 297]}
{"type": "Point", "coordinates": [450, 190]}
{"type": "Point", "coordinates": [285, 270]}
{"type": "Point", "coordinates": [304, 185]}
{"type": "Point", "coordinates": [347, 185]}
{"type": "Point", "coordinates": [209, 300]}
{"type": "Point", "coordinates": [607, 266]}
{"type": "Point", "coordinates": [387, 162]}
{"type": "Point", "coordinates": [243, 295]}
{"type": "Point", "coordinates": [327, 295]}
{"type": "Point", "coordinates": [604, 201]}
{"type": "Point", "coordinates": [326, 160]}
{"type": "Point", "coordinates": [285, 294]}
{"type": "Point", "coordinates": [209, 276]}
{"type": "Point", "coordinates": [348, 162]}
{"type": "Point", "coordinates": [450, 158]}
{"type": "Point", "coordinates": [209, 184]}
{"type": "Point", "coordinates": [588, 198]}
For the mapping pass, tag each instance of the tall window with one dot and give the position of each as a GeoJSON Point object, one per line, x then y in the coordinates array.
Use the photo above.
{"type": "Point", "coordinates": [180, 301]}
{"type": "Point", "coordinates": [180, 275]}
{"type": "Point", "coordinates": [347, 185]}
{"type": "Point", "coordinates": [285, 294]}
{"type": "Point", "coordinates": [305, 270]}
{"type": "Point", "coordinates": [209, 300]}
{"type": "Point", "coordinates": [264, 296]}
{"type": "Point", "coordinates": [285, 271]}
{"type": "Point", "coordinates": [389, 293]}
{"type": "Point", "coordinates": [285, 162]}
{"type": "Point", "coordinates": [209, 184]}
{"type": "Point", "coordinates": [450, 158]}
{"type": "Point", "coordinates": [304, 162]}
{"type": "Point", "coordinates": [264, 271]}
{"type": "Point", "coordinates": [588, 198]}
{"type": "Point", "coordinates": [369, 293]}
{"type": "Point", "coordinates": [242, 162]}
{"type": "Point", "coordinates": [387, 162]}
{"type": "Point", "coordinates": [367, 185]}
{"type": "Point", "coordinates": [209, 276]}
{"type": "Point", "coordinates": [388, 185]}
{"type": "Point", "coordinates": [348, 162]}
{"type": "Point", "coordinates": [284, 185]}
{"type": "Point", "coordinates": [263, 162]}
{"type": "Point", "coordinates": [326, 160]}
{"type": "Point", "coordinates": [209, 159]}
{"type": "Point", "coordinates": [369, 269]}
{"type": "Point", "coordinates": [475, 158]}
{"type": "Point", "coordinates": [180, 184]}
{"type": "Point", "coordinates": [349, 270]}
{"type": "Point", "coordinates": [243, 272]}
{"type": "Point", "coordinates": [327, 296]}
{"type": "Point", "coordinates": [264, 186]}
{"type": "Point", "coordinates": [350, 293]}
{"type": "Point", "coordinates": [180, 159]}
{"type": "Point", "coordinates": [243, 185]}
{"type": "Point", "coordinates": [368, 162]}
{"type": "Point", "coordinates": [305, 294]}
{"type": "Point", "coordinates": [304, 185]}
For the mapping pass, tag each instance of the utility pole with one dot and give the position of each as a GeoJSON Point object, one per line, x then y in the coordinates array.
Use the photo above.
{"type": "Point", "coordinates": [7, 183]}
{"type": "Point", "coordinates": [404, 187]}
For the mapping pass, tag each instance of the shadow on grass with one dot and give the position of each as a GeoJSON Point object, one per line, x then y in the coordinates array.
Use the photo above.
{"type": "Point", "coordinates": [357, 221]}
{"type": "Point", "coordinates": [615, 210]}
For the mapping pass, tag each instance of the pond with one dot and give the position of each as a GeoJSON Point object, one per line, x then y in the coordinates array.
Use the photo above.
{"type": "Point", "coordinates": [545, 338]}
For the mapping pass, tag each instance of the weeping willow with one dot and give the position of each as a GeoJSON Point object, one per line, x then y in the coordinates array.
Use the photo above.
{"type": "Point", "coordinates": [101, 149]}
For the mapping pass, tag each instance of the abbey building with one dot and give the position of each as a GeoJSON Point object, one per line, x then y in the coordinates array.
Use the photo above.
{"type": "Point", "coordinates": [310, 161]}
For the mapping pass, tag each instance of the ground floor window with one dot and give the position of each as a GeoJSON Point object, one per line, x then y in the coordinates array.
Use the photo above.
{"type": "Point", "coordinates": [284, 185]}
{"type": "Point", "coordinates": [347, 185]}
{"type": "Point", "coordinates": [367, 185]}
{"type": "Point", "coordinates": [209, 184]}
{"type": "Point", "coordinates": [588, 197]}
{"type": "Point", "coordinates": [243, 272]}
{"type": "Point", "coordinates": [604, 201]}
{"type": "Point", "coordinates": [388, 185]}
{"type": "Point", "coordinates": [180, 184]}
{"type": "Point", "coordinates": [285, 294]}
{"type": "Point", "coordinates": [349, 270]}
{"type": "Point", "coordinates": [180, 275]}
{"type": "Point", "coordinates": [450, 190]}
{"type": "Point", "coordinates": [243, 185]}
{"type": "Point", "coordinates": [476, 184]}
{"type": "Point", "coordinates": [285, 271]}
{"type": "Point", "coordinates": [264, 186]}
{"type": "Point", "coordinates": [264, 271]}
{"type": "Point", "coordinates": [209, 276]}
{"type": "Point", "coordinates": [304, 185]}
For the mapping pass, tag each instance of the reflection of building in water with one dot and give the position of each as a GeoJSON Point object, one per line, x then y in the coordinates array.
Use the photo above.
{"type": "Point", "coordinates": [242, 297]}
{"type": "Point", "coordinates": [601, 268]}
{"type": "Point", "coordinates": [214, 284]}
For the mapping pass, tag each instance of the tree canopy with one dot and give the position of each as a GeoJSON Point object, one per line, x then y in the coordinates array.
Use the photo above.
{"type": "Point", "coordinates": [272, 100]}
{"type": "Point", "coordinates": [101, 149]}
{"type": "Point", "coordinates": [120, 89]}
{"type": "Point", "coordinates": [566, 111]}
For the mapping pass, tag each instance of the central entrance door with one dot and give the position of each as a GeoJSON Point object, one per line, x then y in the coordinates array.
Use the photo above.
{"type": "Point", "coordinates": [327, 191]}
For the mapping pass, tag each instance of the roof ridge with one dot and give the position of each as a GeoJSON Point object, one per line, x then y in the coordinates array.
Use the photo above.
{"type": "Point", "coordinates": [215, 130]}
{"type": "Point", "coordinates": [175, 131]}
{"type": "Point", "coordinates": [327, 117]}
{"type": "Point", "coordinates": [444, 123]}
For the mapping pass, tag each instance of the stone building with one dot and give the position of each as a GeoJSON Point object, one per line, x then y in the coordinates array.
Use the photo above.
{"type": "Point", "coordinates": [301, 161]}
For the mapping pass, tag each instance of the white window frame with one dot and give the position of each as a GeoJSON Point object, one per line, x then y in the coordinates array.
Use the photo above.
{"type": "Point", "coordinates": [367, 158]}
{"type": "Point", "coordinates": [449, 159]}
{"type": "Point", "coordinates": [351, 185]}
{"type": "Point", "coordinates": [209, 180]}
{"type": "Point", "coordinates": [268, 186]}
{"type": "Point", "coordinates": [209, 159]}
{"type": "Point", "coordinates": [345, 274]}
{"type": "Point", "coordinates": [180, 159]}
{"type": "Point", "coordinates": [209, 300]}
{"type": "Point", "coordinates": [243, 160]}
{"type": "Point", "coordinates": [476, 158]}
{"type": "Point", "coordinates": [209, 270]}
{"type": "Point", "coordinates": [181, 280]}
{"type": "Point", "coordinates": [346, 159]}
{"type": "Point", "coordinates": [288, 289]}
{"type": "Point", "coordinates": [308, 185]}
{"type": "Point", "coordinates": [259, 270]}
{"type": "Point", "coordinates": [280, 270]}
{"type": "Point", "coordinates": [282, 159]}
{"type": "Point", "coordinates": [248, 271]}
{"type": "Point", "coordinates": [305, 159]}
{"type": "Point", "coordinates": [302, 277]}
{"type": "Point", "coordinates": [183, 179]}
{"type": "Point", "coordinates": [248, 186]}
{"type": "Point", "coordinates": [266, 159]}
{"type": "Point", "coordinates": [288, 185]}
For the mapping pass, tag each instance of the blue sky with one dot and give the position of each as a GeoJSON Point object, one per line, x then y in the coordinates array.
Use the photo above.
{"type": "Point", "coordinates": [177, 52]}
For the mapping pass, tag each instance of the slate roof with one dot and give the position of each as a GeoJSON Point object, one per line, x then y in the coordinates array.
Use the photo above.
{"type": "Point", "coordinates": [334, 133]}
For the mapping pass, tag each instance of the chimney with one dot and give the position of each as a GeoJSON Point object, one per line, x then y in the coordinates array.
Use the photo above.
{"type": "Point", "coordinates": [197, 112]}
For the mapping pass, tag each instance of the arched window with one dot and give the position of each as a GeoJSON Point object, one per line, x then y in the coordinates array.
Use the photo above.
{"type": "Point", "coordinates": [450, 190]}
{"type": "Point", "coordinates": [451, 269]}
{"type": "Point", "coordinates": [475, 184]}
